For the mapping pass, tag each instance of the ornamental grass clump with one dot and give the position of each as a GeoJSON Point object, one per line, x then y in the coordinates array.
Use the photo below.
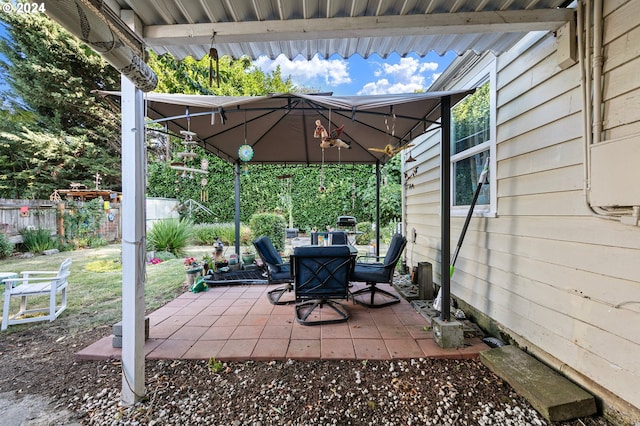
{"type": "Point", "coordinates": [37, 240]}
{"type": "Point", "coordinates": [170, 235]}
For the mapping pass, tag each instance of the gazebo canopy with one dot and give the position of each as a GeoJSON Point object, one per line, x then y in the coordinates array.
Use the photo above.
{"type": "Point", "coordinates": [280, 128]}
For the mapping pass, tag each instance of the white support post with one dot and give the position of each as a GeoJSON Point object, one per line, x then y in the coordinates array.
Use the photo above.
{"type": "Point", "coordinates": [133, 242]}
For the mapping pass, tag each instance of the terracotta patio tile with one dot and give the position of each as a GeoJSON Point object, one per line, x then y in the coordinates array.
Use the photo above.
{"type": "Point", "coordinates": [472, 348]}
{"type": "Point", "coordinates": [255, 319]}
{"type": "Point", "coordinates": [189, 332]}
{"type": "Point", "coordinates": [229, 320]}
{"type": "Point", "coordinates": [204, 349]}
{"type": "Point", "coordinates": [412, 318]}
{"type": "Point", "coordinates": [391, 331]}
{"type": "Point", "coordinates": [261, 309]}
{"type": "Point", "coordinates": [299, 331]}
{"type": "Point", "coordinates": [277, 319]}
{"type": "Point", "coordinates": [335, 331]}
{"type": "Point", "coordinates": [237, 310]}
{"type": "Point", "coordinates": [247, 332]}
{"type": "Point", "coordinates": [276, 332]}
{"type": "Point", "coordinates": [214, 310]}
{"type": "Point", "coordinates": [171, 349]}
{"type": "Point", "coordinates": [387, 318]}
{"type": "Point", "coordinates": [304, 349]}
{"type": "Point", "coordinates": [222, 332]}
{"type": "Point", "coordinates": [337, 349]}
{"type": "Point", "coordinates": [364, 332]}
{"type": "Point", "coordinates": [432, 350]}
{"type": "Point", "coordinates": [177, 319]}
{"type": "Point", "coordinates": [162, 331]}
{"type": "Point", "coordinates": [419, 332]}
{"type": "Point", "coordinates": [237, 350]}
{"type": "Point", "coordinates": [371, 349]}
{"type": "Point", "coordinates": [204, 320]}
{"type": "Point", "coordinates": [270, 349]}
{"type": "Point", "coordinates": [403, 348]}
{"type": "Point", "coordinates": [101, 349]}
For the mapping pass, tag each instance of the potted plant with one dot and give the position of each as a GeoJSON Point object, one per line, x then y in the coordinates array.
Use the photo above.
{"type": "Point", "coordinates": [192, 268]}
{"type": "Point", "coordinates": [248, 255]}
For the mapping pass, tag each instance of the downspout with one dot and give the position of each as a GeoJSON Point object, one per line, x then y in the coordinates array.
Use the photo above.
{"type": "Point", "coordinates": [591, 92]}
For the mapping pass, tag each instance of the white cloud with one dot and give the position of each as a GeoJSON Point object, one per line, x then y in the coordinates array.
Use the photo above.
{"type": "Point", "coordinates": [317, 71]}
{"type": "Point", "coordinates": [407, 76]}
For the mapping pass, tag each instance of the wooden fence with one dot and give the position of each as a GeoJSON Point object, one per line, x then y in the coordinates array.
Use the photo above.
{"type": "Point", "coordinates": [44, 214]}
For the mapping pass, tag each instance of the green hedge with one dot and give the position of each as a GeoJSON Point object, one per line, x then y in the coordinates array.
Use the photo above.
{"type": "Point", "coordinates": [272, 225]}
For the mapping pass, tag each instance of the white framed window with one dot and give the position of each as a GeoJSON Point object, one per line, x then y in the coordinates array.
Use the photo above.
{"type": "Point", "coordinates": [472, 142]}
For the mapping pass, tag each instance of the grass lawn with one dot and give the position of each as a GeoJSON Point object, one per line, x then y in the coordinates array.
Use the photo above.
{"type": "Point", "coordinates": [94, 295]}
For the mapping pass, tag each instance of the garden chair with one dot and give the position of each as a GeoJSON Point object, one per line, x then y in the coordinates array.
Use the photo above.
{"type": "Point", "coordinates": [379, 272]}
{"type": "Point", "coordinates": [36, 283]}
{"type": "Point", "coordinates": [277, 270]}
{"type": "Point", "coordinates": [321, 275]}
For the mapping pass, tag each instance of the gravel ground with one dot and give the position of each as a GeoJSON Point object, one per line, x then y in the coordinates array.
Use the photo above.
{"type": "Point", "coordinates": [182, 392]}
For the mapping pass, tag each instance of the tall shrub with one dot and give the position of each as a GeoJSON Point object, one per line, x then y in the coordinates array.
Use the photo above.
{"type": "Point", "coordinates": [170, 235]}
{"type": "Point", "coordinates": [272, 225]}
{"type": "Point", "coordinates": [6, 246]}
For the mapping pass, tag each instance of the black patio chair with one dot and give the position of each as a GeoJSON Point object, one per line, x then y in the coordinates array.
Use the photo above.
{"type": "Point", "coordinates": [379, 272]}
{"type": "Point", "coordinates": [321, 276]}
{"type": "Point", "coordinates": [277, 271]}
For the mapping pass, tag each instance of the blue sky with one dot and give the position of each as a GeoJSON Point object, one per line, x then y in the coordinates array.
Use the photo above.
{"type": "Point", "coordinates": [358, 76]}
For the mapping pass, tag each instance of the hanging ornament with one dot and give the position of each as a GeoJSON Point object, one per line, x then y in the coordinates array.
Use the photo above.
{"type": "Point", "coordinates": [204, 195]}
{"type": "Point", "coordinates": [245, 152]}
{"type": "Point", "coordinates": [213, 57]}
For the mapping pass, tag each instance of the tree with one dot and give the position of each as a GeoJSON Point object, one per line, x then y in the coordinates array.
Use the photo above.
{"type": "Point", "coordinates": [60, 132]}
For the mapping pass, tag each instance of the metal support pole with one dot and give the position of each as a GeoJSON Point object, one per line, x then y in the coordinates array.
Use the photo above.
{"type": "Point", "coordinates": [377, 208]}
{"type": "Point", "coordinates": [445, 203]}
{"type": "Point", "coordinates": [237, 205]}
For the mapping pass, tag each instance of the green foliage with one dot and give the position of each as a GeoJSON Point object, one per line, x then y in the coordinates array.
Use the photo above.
{"type": "Point", "coordinates": [37, 240]}
{"type": "Point", "coordinates": [271, 225]}
{"type": "Point", "coordinates": [207, 233]}
{"type": "Point", "coordinates": [6, 246]}
{"type": "Point", "coordinates": [215, 366]}
{"type": "Point", "coordinates": [170, 235]}
{"type": "Point", "coordinates": [82, 222]}
{"type": "Point", "coordinates": [367, 233]}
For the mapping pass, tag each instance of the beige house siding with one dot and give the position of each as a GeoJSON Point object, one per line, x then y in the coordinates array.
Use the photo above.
{"type": "Point", "coordinates": [559, 280]}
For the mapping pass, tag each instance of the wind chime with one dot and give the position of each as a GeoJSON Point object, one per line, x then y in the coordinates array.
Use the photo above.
{"type": "Point", "coordinates": [213, 57]}
{"type": "Point", "coordinates": [187, 156]}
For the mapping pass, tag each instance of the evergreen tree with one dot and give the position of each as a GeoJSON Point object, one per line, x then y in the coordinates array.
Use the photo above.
{"type": "Point", "coordinates": [57, 131]}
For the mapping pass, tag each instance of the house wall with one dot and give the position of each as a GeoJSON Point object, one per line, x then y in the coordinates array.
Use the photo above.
{"type": "Point", "coordinates": [560, 281]}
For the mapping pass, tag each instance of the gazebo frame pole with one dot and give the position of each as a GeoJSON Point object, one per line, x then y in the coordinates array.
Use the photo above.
{"type": "Point", "coordinates": [377, 208]}
{"type": "Point", "coordinates": [445, 206]}
{"type": "Point", "coordinates": [237, 205]}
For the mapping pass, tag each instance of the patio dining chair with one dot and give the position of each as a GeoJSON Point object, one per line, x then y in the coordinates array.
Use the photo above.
{"type": "Point", "coordinates": [36, 283]}
{"type": "Point", "coordinates": [277, 271]}
{"type": "Point", "coordinates": [321, 276]}
{"type": "Point", "coordinates": [375, 273]}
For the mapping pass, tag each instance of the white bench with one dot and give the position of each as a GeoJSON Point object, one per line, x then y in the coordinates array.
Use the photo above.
{"type": "Point", "coordinates": [36, 283]}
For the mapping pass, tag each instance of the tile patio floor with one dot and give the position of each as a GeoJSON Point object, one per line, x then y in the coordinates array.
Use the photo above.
{"type": "Point", "coordinates": [237, 323]}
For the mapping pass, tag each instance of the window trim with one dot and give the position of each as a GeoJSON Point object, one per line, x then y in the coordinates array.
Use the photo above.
{"type": "Point", "coordinates": [485, 74]}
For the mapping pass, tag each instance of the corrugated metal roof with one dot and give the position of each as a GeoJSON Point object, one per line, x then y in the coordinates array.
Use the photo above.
{"type": "Point", "coordinates": [345, 27]}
